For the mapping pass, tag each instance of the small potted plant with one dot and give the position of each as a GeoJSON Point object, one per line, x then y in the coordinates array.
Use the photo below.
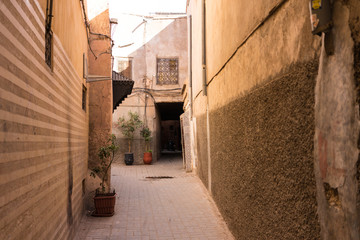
{"type": "Point", "coordinates": [146, 134]}
{"type": "Point", "coordinates": [127, 128]}
{"type": "Point", "coordinates": [104, 199]}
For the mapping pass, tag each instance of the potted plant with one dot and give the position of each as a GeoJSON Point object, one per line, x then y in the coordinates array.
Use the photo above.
{"type": "Point", "coordinates": [146, 134]}
{"type": "Point", "coordinates": [104, 199]}
{"type": "Point", "coordinates": [127, 128]}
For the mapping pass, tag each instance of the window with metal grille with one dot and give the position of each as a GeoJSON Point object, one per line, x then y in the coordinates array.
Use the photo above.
{"type": "Point", "coordinates": [84, 91]}
{"type": "Point", "coordinates": [167, 71]}
{"type": "Point", "coordinates": [48, 48]}
{"type": "Point", "coordinates": [48, 34]}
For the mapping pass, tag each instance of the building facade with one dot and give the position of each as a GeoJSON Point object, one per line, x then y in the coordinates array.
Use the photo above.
{"type": "Point", "coordinates": [44, 118]}
{"type": "Point", "coordinates": [157, 62]}
{"type": "Point", "coordinates": [274, 116]}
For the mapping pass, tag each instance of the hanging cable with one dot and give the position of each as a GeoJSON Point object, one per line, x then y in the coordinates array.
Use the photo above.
{"type": "Point", "coordinates": [158, 90]}
{"type": "Point", "coordinates": [88, 31]}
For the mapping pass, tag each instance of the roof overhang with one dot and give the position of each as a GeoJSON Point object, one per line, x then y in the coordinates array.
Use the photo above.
{"type": "Point", "coordinates": [122, 87]}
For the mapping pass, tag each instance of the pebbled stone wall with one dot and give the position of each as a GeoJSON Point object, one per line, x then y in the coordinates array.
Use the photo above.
{"type": "Point", "coordinates": [262, 158]}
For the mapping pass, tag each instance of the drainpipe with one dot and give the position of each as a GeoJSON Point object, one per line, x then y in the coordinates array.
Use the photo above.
{"type": "Point", "coordinates": [205, 94]}
{"type": "Point", "coordinates": [204, 49]}
{"type": "Point", "coordinates": [49, 15]}
{"type": "Point", "coordinates": [190, 67]}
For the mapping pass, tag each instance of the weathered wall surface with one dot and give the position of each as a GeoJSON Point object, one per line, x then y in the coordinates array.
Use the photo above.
{"type": "Point", "coordinates": [355, 33]}
{"type": "Point", "coordinates": [337, 127]}
{"type": "Point", "coordinates": [201, 138]}
{"type": "Point", "coordinates": [43, 129]}
{"type": "Point", "coordinates": [100, 92]}
{"type": "Point", "coordinates": [138, 143]}
{"type": "Point", "coordinates": [283, 40]}
{"type": "Point", "coordinates": [186, 140]}
{"type": "Point", "coordinates": [258, 116]}
{"type": "Point", "coordinates": [262, 159]}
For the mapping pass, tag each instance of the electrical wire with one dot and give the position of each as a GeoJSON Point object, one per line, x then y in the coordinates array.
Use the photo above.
{"type": "Point", "coordinates": [157, 90]}
{"type": "Point", "coordinates": [88, 31]}
{"type": "Point", "coordinates": [143, 91]}
{"type": "Point", "coordinates": [271, 12]}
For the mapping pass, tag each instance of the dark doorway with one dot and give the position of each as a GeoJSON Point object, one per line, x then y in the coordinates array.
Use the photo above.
{"type": "Point", "coordinates": [170, 127]}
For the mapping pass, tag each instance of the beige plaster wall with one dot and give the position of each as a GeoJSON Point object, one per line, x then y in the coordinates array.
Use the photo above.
{"type": "Point", "coordinates": [285, 39]}
{"type": "Point", "coordinates": [230, 28]}
{"type": "Point", "coordinates": [195, 10]}
{"type": "Point", "coordinates": [44, 130]}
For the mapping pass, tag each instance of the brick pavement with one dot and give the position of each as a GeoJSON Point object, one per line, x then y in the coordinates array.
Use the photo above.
{"type": "Point", "coordinates": [173, 208]}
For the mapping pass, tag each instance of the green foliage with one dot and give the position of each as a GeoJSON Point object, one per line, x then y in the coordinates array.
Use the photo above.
{"type": "Point", "coordinates": [128, 127]}
{"type": "Point", "coordinates": [146, 134]}
{"type": "Point", "coordinates": [106, 154]}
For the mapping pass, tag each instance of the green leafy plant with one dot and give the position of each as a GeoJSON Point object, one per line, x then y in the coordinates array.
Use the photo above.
{"type": "Point", "coordinates": [146, 134]}
{"type": "Point", "coordinates": [106, 154]}
{"type": "Point", "coordinates": [128, 127]}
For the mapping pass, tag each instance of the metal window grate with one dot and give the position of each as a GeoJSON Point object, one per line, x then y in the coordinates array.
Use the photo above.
{"type": "Point", "coordinates": [48, 47]}
{"type": "Point", "coordinates": [167, 71]}
{"type": "Point", "coordinates": [84, 91]}
{"type": "Point", "coordinates": [48, 33]}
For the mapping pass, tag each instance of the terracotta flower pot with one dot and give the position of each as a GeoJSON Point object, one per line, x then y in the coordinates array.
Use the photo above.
{"type": "Point", "coordinates": [147, 158]}
{"type": "Point", "coordinates": [104, 205]}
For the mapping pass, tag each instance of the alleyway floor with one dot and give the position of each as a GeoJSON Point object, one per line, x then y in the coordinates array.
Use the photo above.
{"type": "Point", "coordinates": [150, 208]}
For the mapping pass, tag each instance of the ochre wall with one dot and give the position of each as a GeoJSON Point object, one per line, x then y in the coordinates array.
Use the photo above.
{"type": "Point", "coordinates": [44, 131]}
{"type": "Point", "coordinates": [283, 40]}
{"type": "Point", "coordinates": [258, 116]}
{"type": "Point", "coordinates": [100, 92]}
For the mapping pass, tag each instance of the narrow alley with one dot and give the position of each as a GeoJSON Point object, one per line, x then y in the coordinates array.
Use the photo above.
{"type": "Point", "coordinates": [151, 207]}
{"type": "Point", "coordinates": [262, 98]}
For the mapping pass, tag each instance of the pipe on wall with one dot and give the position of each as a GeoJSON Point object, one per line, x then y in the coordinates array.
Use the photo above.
{"type": "Point", "coordinates": [190, 67]}
{"type": "Point", "coordinates": [204, 49]}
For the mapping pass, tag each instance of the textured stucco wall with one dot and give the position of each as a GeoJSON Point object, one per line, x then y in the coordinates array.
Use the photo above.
{"type": "Point", "coordinates": [283, 40]}
{"type": "Point", "coordinates": [201, 138]}
{"type": "Point", "coordinates": [262, 159]}
{"type": "Point", "coordinates": [43, 129]}
{"type": "Point", "coordinates": [100, 95]}
{"type": "Point", "coordinates": [202, 149]}
{"type": "Point", "coordinates": [258, 116]}
{"type": "Point", "coordinates": [186, 140]}
{"type": "Point", "coordinates": [242, 16]}
{"type": "Point", "coordinates": [100, 92]}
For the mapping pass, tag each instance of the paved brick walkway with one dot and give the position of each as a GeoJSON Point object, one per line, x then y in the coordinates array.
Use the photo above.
{"type": "Point", "coordinates": [172, 208]}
